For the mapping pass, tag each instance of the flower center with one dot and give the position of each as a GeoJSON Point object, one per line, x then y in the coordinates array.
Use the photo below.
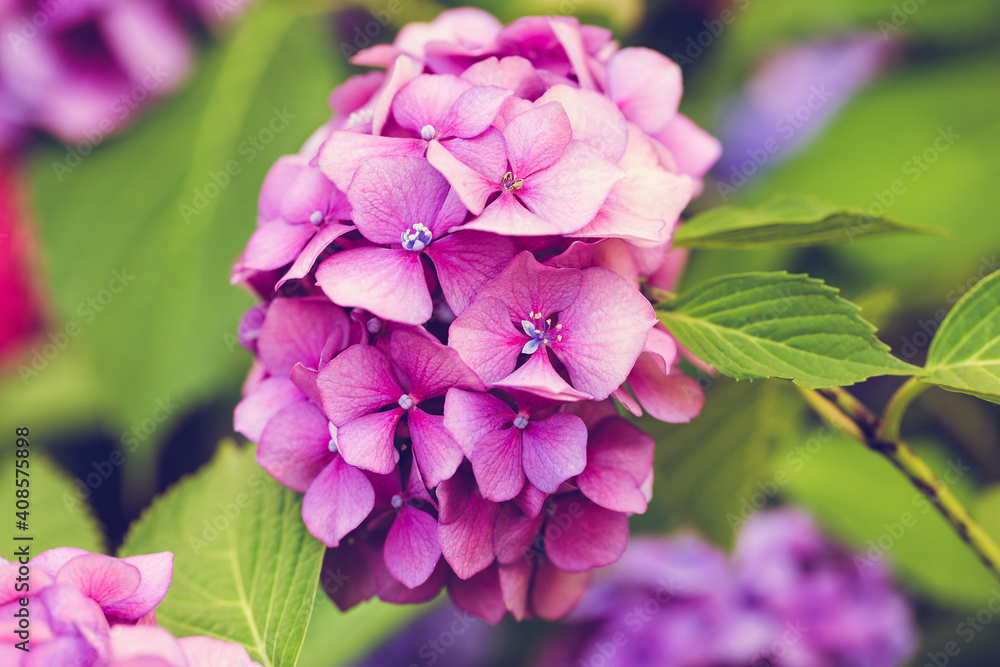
{"type": "Point", "coordinates": [508, 182]}
{"type": "Point", "coordinates": [541, 331]}
{"type": "Point", "coordinates": [427, 132]}
{"type": "Point", "coordinates": [405, 402]}
{"type": "Point", "coordinates": [416, 238]}
{"type": "Point", "coordinates": [316, 218]}
{"type": "Point", "coordinates": [397, 501]}
{"type": "Point", "coordinates": [521, 422]}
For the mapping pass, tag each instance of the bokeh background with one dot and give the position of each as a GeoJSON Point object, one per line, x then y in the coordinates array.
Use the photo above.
{"type": "Point", "coordinates": [891, 105]}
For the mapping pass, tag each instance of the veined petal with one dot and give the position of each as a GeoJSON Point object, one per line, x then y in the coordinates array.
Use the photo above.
{"type": "Point", "coordinates": [466, 522]}
{"type": "Point", "coordinates": [593, 536]}
{"type": "Point", "coordinates": [411, 548]}
{"type": "Point", "coordinates": [469, 416]}
{"type": "Point", "coordinates": [538, 377]}
{"type": "Point", "coordinates": [646, 85]}
{"type": "Point", "coordinates": [347, 150]}
{"type": "Point", "coordinates": [261, 404]}
{"type": "Point", "coordinates": [367, 442]}
{"type": "Point", "coordinates": [473, 111]}
{"type": "Point", "coordinates": [427, 100]}
{"type": "Point", "coordinates": [435, 450]}
{"type": "Point", "coordinates": [295, 445]}
{"type": "Point", "coordinates": [466, 261]}
{"type": "Point", "coordinates": [555, 449]}
{"type": "Point", "coordinates": [428, 367]}
{"type": "Point", "coordinates": [537, 138]}
{"type": "Point", "coordinates": [356, 382]}
{"type": "Point", "coordinates": [104, 579]}
{"type": "Point", "coordinates": [496, 462]}
{"type": "Point", "coordinates": [486, 340]}
{"type": "Point", "coordinates": [298, 330]}
{"type": "Point", "coordinates": [337, 501]}
{"type": "Point", "coordinates": [472, 187]}
{"type": "Point", "coordinates": [619, 458]}
{"type": "Point", "coordinates": [595, 119]}
{"type": "Point", "coordinates": [671, 397]}
{"type": "Point", "coordinates": [276, 244]}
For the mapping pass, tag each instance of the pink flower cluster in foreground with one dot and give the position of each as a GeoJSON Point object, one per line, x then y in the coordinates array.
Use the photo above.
{"type": "Point", "coordinates": [92, 610]}
{"type": "Point", "coordinates": [787, 598]}
{"type": "Point", "coordinates": [451, 274]}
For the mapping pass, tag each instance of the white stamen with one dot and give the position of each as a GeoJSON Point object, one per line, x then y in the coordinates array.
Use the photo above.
{"type": "Point", "coordinates": [405, 402]}
{"type": "Point", "coordinates": [427, 132]}
{"type": "Point", "coordinates": [316, 217]}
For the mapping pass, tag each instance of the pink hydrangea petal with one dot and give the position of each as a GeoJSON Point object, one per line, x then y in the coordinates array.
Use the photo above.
{"type": "Point", "coordinates": [646, 85]}
{"type": "Point", "coordinates": [466, 261]}
{"type": "Point", "coordinates": [358, 381]}
{"type": "Point", "coordinates": [599, 357]}
{"type": "Point", "coordinates": [538, 377]}
{"type": "Point", "coordinates": [622, 395]}
{"type": "Point", "coordinates": [348, 573]}
{"type": "Point", "coordinates": [592, 536]}
{"type": "Point", "coordinates": [619, 458]}
{"type": "Point", "coordinates": [383, 209]}
{"type": "Point", "coordinates": [367, 442]}
{"type": "Point", "coordinates": [276, 244]}
{"type": "Point", "coordinates": [596, 120]}
{"type": "Point", "coordinates": [346, 150]}
{"type": "Point", "coordinates": [211, 652]}
{"type": "Point", "coordinates": [429, 367]}
{"type": "Point", "coordinates": [104, 579]}
{"type": "Point", "coordinates": [411, 547]}
{"type": "Point", "coordinates": [554, 592]}
{"type": "Point", "coordinates": [472, 187]}
{"type": "Point", "coordinates": [670, 397]}
{"type": "Point", "coordinates": [298, 330]}
{"type": "Point", "coordinates": [147, 646]}
{"type": "Point", "coordinates": [261, 404]}
{"type": "Point", "coordinates": [537, 138]}
{"type": "Point", "coordinates": [555, 449]}
{"type": "Point", "coordinates": [469, 416]}
{"type": "Point", "coordinates": [309, 192]}
{"type": "Point", "coordinates": [485, 339]}
{"type": "Point", "coordinates": [496, 462]}
{"type": "Point", "coordinates": [527, 286]}
{"type": "Point", "coordinates": [570, 192]}
{"type": "Point", "coordinates": [52, 560]}
{"type": "Point", "coordinates": [514, 534]}
{"type": "Point", "coordinates": [694, 149]}
{"type": "Point", "coordinates": [435, 450]}
{"type": "Point", "coordinates": [515, 585]}
{"type": "Point", "coordinates": [479, 595]}
{"type": "Point", "coordinates": [473, 111]}
{"type": "Point", "coordinates": [403, 70]}
{"type": "Point", "coordinates": [279, 178]}
{"type": "Point", "coordinates": [514, 73]}
{"type": "Point", "coordinates": [295, 445]}
{"type": "Point", "coordinates": [303, 264]}
{"type": "Point", "coordinates": [391, 590]}
{"type": "Point", "coordinates": [355, 92]}
{"type": "Point", "coordinates": [569, 35]}
{"type": "Point", "coordinates": [337, 501]}
{"type": "Point", "coordinates": [466, 522]}
{"type": "Point", "coordinates": [427, 99]}
{"type": "Point", "coordinates": [531, 500]}
{"type": "Point", "coordinates": [389, 283]}
{"type": "Point", "coordinates": [157, 571]}
{"type": "Point", "coordinates": [505, 215]}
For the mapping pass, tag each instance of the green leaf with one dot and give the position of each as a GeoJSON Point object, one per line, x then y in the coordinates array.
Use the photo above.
{"type": "Point", "coordinates": [965, 353]}
{"type": "Point", "coordinates": [788, 222]}
{"type": "Point", "coordinates": [140, 234]}
{"type": "Point", "coordinates": [758, 325]}
{"type": "Point", "coordinates": [246, 569]}
{"type": "Point", "coordinates": [862, 498]}
{"type": "Point", "coordinates": [706, 470]}
{"type": "Point", "coordinates": [59, 515]}
{"type": "Point", "coordinates": [987, 511]}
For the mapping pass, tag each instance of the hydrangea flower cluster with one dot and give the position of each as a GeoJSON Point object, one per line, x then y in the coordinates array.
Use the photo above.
{"type": "Point", "coordinates": [79, 69]}
{"type": "Point", "coordinates": [787, 598]}
{"type": "Point", "coordinates": [92, 610]}
{"type": "Point", "coordinates": [450, 272]}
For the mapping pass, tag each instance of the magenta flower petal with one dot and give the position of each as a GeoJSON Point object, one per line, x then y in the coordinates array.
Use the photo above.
{"type": "Point", "coordinates": [515, 585]}
{"type": "Point", "coordinates": [403, 70]}
{"type": "Point", "coordinates": [52, 560]}
{"type": "Point", "coordinates": [147, 645]}
{"type": "Point", "coordinates": [485, 341]}
{"type": "Point", "coordinates": [593, 536]}
{"type": "Point", "coordinates": [367, 442]}
{"type": "Point", "coordinates": [295, 445]}
{"type": "Point", "coordinates": [101, 578]}
{"type": "Point", "coordinates": [619, 459]}
{"type": "Point", "coordinates": [599, 357]}
{"type": "Point", "coordinates": [479, 595]}
{"type": "Point", "coordinates": [430, 367]}
{"type": "Point", "coordinates": [539, 377]}
{"type": "Point", "coordinates": [261, 404]}
{"type": "Point", "coordinates": [472, 187]}
{"type": "Point", "coordinates": [411, 547]}
{"type": "Point", "coordinates": [473, 112]}
{"type": "Point", "coordinates": [506, 215]}
{"type": "Point", "coordinates": [594, 119]}
{"type": "Point", "coordinates": [465, 262]}
{"type": "Point", "coordinates": [303, 264]}
{"type": "Point", "coordinates": [383, 210]}
{"type": "Point", "coordinates": [555, 449]}
{"type": "Point", "coordinates": [426, 100]}
{"type": "Point", "coordinates": [435, 450]}
{"type": "Point", "coordinates": [496, 462]}
{"type": "Point", "coordinates": [646, 85]}
{"type": "Point", "coordinates": [555, 591]}
{"type": "Point", "coordinates": [156, 571]}
{"type": "Point", "coordinates": [276, 244]}
{"type": "Point", "coordinates": [211, 652]}
{"type": "Point", "coordinates": [527, 287]}
{"type": "Point", "coordinates": [515, 533]}
{"type": "Point", "coordinates": [470, 416]}
{"type": "Point", "coordinates": [298, 330]}
{"type": "Point", "coordinates": [514, 73]}
{"type": "Point", "coordinates": [694, 149]}
{"type": "Point", "coordinates": [537, 138]}
{"type": "Point", "coordinates": [671, 397]}
{"type": "Point", "coordinates": [389, 283]}
{"type": "Point", "coordinates": [337, 502]}
{"type": "Point", "coordinates": [346, 150]}
{"type": "Point", "coordinates": [531, 500]}
{"type": "Point", "coordinates": [466, 522]}
{"type": "Point", "coordinates": [356, 382]}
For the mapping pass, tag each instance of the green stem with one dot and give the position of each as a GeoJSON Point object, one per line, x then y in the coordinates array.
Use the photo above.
{"type": "Point", "coordinates": [897, 406]}
{"type": "Point", "coordinates": [870, 430]}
